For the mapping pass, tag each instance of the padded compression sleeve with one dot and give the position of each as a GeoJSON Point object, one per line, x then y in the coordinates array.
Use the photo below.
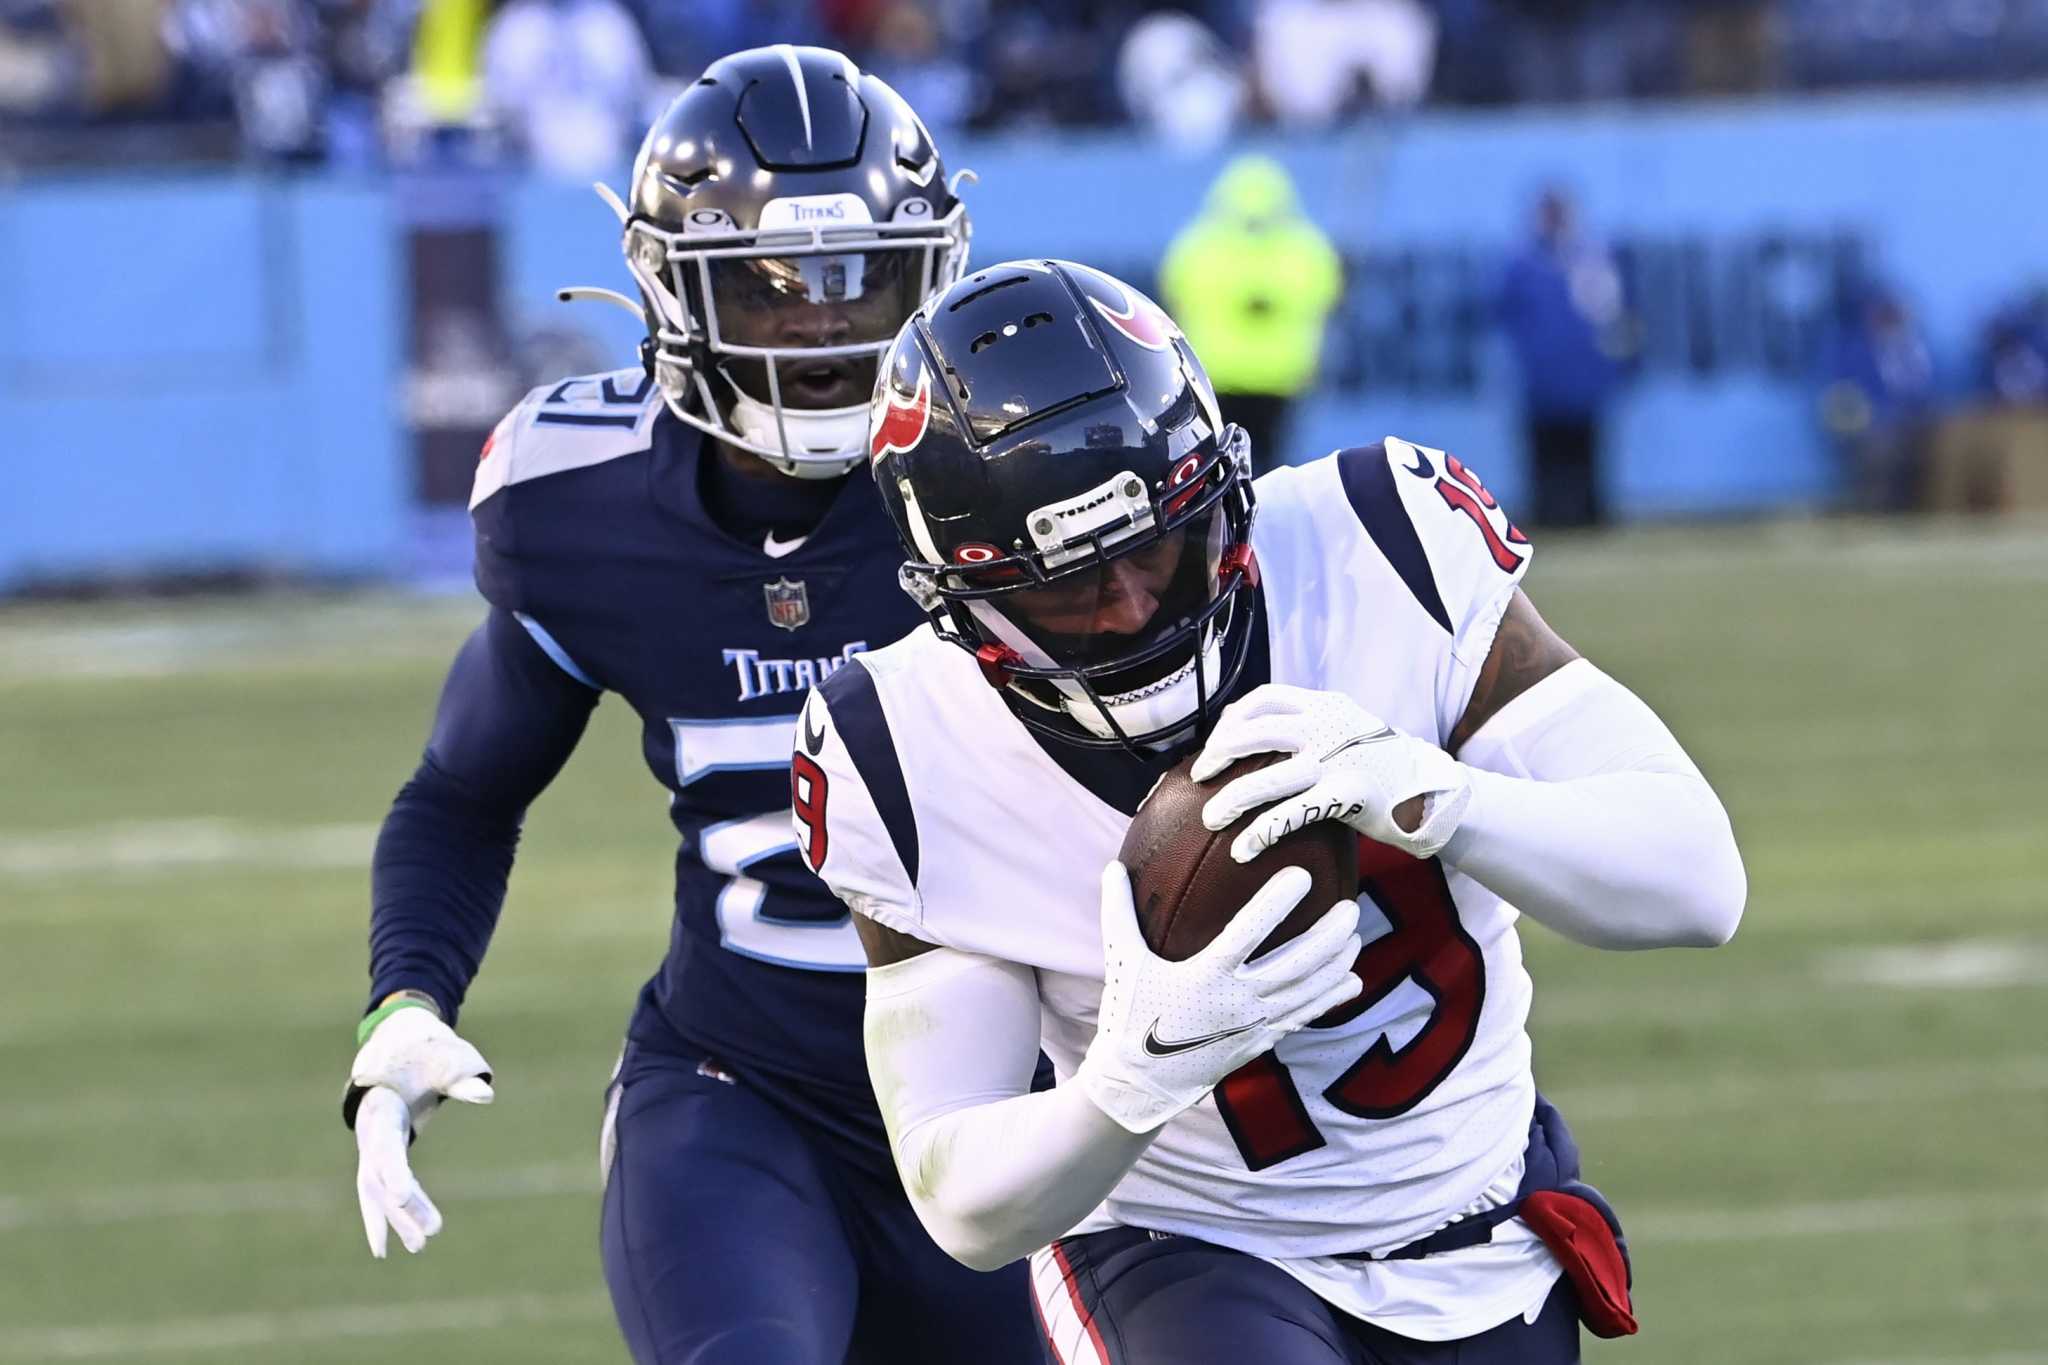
{"type": "Point", "coordinates": [1588, 817]}
{"type": "Point", "coordinates": [994, 1172]}
{"type": "Point", "coordinates": [508, 719]}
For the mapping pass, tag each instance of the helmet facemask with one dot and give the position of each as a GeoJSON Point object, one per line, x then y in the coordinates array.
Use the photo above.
{"type": "Point", "coordinates": [768, 338]}
{"type": "Point", "coordinates": [1181, 549]}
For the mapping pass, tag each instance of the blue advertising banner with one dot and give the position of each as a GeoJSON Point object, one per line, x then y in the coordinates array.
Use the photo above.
{"type": "Point", "coordinates": [235, 395]}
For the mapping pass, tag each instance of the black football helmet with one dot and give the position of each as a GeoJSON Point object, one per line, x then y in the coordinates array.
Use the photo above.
{"type": "Point", "coordinates": [787, 213]}
{"type": "Point", "coordinates": [1076, 512]}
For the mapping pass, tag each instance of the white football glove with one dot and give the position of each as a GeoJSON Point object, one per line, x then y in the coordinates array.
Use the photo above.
{"type": "Point", "coordinates": [410, 1062]}
{"type": "Point", "coordinates": [1344, 763]}
{"type": "Point", "coordinates": [1167, 1032]}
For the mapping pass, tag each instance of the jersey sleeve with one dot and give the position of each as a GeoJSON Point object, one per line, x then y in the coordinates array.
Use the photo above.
{"type": "Point", "coordinates": [508, 718]}
{"type": "Point", "coordinates": [491, 498]}
{"type": "Point", "coordinates": [1453, 545]}
{"type": "Point", "coordinates": [555, 429]}
{"type": "Point", "coordinates": [851, 806]}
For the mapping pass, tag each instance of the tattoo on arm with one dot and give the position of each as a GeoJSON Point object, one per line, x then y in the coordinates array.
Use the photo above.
{"type": "Point", "coordinates": [1525, 652]}
{"type": "Point", "coordinates": [885, 945]}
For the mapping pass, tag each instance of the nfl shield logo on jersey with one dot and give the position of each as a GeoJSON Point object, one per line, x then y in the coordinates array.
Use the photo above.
{"type": "Point", "coordinates": [789, 606]}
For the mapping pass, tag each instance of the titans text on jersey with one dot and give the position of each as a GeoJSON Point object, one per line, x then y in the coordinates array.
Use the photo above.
{"type": "Point", "coordinates": [760, 676]}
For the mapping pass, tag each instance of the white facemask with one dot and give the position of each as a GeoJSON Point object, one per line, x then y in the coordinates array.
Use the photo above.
{"type": "Point", "coordinates": [1170, 702]}
{"type": "Point", "coordinates": [819, 433]}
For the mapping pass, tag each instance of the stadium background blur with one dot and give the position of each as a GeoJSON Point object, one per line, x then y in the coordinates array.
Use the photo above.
{"type": "Point", "coordinates": [270, 268]}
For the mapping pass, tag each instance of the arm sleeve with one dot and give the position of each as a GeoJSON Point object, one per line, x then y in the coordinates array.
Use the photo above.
{"type": "Point", "coordinates": [1587, 816]}
{"type": "Point", "coordinates": [508, 719]}
{"type": "Point", "coordinates": [994, 1172]}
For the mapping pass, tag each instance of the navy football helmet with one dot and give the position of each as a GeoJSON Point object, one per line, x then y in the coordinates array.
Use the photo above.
{"type": "Point", "coordinates": [786, 214]}
{"type": "Point", "coordinates": [1076, 512]}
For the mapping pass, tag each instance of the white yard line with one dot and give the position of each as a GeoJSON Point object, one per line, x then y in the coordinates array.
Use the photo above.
{"type": "Point", "coordinates": [557, 1082]}
{"type": "Point", "coordinates": [1893, 1305]}
{"type": "Point", "coordinates": [251, 1330]}
{"type": "Point", "coordinates": [147, 846]}
{"type": "Point", "coordinates": [1775, 1222]}
{"type": "Point", "coordinates": [201, 1199]}
{"type": "Point", "coordinates": [1805, 1089]}
{"type": "Point", "coordinates": [232, 1198]}
{"type": "Point", "coordinates": [1649, 1226]}
{"type": "Point", "coordinates": [261, 634]}
{"type": "Point", "coordinates": [1962, 964]}
{"type": "Point", "coordinates": [574, 1081]}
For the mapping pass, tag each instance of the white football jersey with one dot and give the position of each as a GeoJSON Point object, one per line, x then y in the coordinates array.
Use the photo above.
{"type": "Point", "coordinates": [1384, 574]}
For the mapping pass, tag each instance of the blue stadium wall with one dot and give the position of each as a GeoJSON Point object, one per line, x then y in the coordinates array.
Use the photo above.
{"type": "Point", "coordinates": [205, 372]}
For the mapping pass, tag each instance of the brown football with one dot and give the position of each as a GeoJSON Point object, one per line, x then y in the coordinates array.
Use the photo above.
{"type": "Point", "coordinates": [1185, 885]}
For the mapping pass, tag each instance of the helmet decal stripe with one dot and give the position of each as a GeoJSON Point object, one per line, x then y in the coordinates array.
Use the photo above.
{"type": "Point", "coordinates": [803, 97]}
{"type": "Point", "coordinates": [1139, 321]}
{"type": "Point", "coordinates": [900, 426]}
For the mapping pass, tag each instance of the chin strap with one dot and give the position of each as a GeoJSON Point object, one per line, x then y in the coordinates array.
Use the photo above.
{"type": "Point", "coordinates": [829, 440]}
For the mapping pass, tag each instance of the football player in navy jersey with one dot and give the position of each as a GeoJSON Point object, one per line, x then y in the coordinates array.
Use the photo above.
{"type": "Point", "coordinates": [699, 535]}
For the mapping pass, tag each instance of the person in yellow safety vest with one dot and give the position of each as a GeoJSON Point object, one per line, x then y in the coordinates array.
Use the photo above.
{"type": "Point", "coordinates": [446, 58]}
{"type": "Point", "coordinates": [1251, 281]}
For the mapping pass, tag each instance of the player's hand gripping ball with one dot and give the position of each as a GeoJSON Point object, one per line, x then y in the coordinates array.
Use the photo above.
{"type": "Point", "coordinates": [1341, 764]}
{"type": "Point", "coordinates": [1187, 886]}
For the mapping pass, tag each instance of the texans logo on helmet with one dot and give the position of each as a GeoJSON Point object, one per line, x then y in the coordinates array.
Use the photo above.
{"type": "Point", "coordinates": [900, 426]}
{"type": "Point", "coordinates": [1139, 321]}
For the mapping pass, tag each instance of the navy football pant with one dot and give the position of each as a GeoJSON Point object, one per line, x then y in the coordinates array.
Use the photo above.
{"type": "Point", "coordinates": [734, 1235]}
{"type": "Point", "coordinates": [1122, 1297]}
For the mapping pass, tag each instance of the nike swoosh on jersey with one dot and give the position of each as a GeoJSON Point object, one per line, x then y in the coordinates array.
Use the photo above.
{"type": "Point", "coordinates": [814, 740]}
{"type": "Point", "coordinates": [776, 549]}
{"type": "Point", "coordinates": [1384, 732]}
{"type": "Point", "coordinates": [1155, 1046]}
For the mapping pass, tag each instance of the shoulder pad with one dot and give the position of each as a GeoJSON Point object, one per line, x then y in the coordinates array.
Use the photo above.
{"type": "Point", "coordinates": [1436, 524]}
{"type": "Point", "coordinates": [581, 421]}
{"type": "Point", "coordinates": [854, 823]}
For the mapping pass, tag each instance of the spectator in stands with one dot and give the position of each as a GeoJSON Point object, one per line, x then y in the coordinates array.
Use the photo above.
{"type": "Point", "coordinates": [1565, 50]}
{"type": "Point", "coordinates": [1180, 82]}
{"type": "Point", "coordinates": [570, 80]}
{"type": "Point", "coordinates": [685, 36]}
{"type": "Point", "coordinates": [1050, 63]}
{"type": "Point", "coordinates": [1730, 46]}
{"type": "Point", "coordinates": [2015, 357]}
{"type": "Point", "coordinates": [1252, 281]}
{"type": "Point", "coordinates": [1562, 305]}
{"type": "Point", "coordinates": [41, 67]}
{"type": "Point", "coordinates": [1319, 61]}
{"type": "Point", "coordinates": [366, 43]}
{"type": "Point", "coordinates": [1876, 396]}
{"type": "Point", "coordinates": [906, 46]}
{"type": "Point", "coordinates": [266, 57]}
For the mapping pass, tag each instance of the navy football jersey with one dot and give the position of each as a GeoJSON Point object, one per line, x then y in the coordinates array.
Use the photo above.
{"type": "Point", "coordinates": [592, 532]}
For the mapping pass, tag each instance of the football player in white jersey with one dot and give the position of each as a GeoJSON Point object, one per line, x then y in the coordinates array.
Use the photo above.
{"type": "Point", "coordinates": [1331, 1152]}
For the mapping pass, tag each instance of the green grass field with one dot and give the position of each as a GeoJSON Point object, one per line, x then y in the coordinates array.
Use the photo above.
{"type": "Point", "coordinates": [1827, 1139]}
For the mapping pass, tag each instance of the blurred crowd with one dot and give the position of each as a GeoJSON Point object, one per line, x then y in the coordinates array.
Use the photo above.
{"type": "Point", "coordinates": [1255, 283]}
{"type": "Point", "coordinates": [1890, 403]}
{"type": "Point", "coordinates": [566, 81]}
